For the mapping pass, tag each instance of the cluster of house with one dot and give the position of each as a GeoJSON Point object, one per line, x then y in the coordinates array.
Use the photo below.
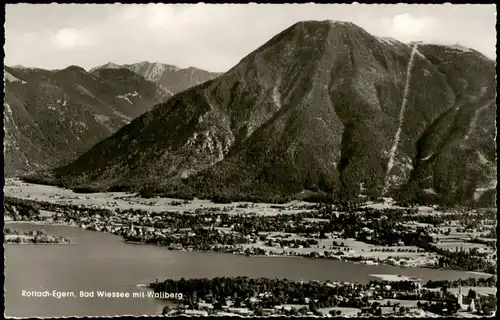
{"type": "Point", "coordinates": [374, 293]}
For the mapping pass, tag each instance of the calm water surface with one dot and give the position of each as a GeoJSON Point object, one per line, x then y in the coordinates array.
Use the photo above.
{"type": "Point", "coordinates": [99, 261]}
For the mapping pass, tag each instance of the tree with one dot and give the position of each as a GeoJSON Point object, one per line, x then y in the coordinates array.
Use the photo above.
{"type": "Point", "coordinates": [472, 294]}
{"type": "Point", "coordinates": [312, 306]}
{"type": "Point", "coordinates": [217, 305]}
{"type": "Point", "coordinates": [375, 305]}
{"type": "Point", "coordinates": [166, 310]}
{"type": "Point", "coordinates": [259, 312]}
{"type": "Point", "coordinates": [303, 310]}
{"type": "Point", "coordinates": [293, 312]}
{"type": "Point", "coordinates": [237, 302]}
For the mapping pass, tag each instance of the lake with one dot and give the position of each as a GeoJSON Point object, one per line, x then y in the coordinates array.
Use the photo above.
{"type": "Point", "coordinates": [99, 261]}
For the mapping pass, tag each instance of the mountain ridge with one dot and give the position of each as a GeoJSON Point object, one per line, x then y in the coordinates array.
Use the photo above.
{"type": "Point", "coordinates": [172, 78]}
{"type": "Point", "coordinates": [41, 126]}
{"type": "Point", "coordinates": [317, 108]}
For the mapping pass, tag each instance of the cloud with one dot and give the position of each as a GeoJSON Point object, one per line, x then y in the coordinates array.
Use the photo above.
{"type": "Point", "coordinates": [213, 37]}
{"type": "Point", "coordinates": [153, 16]}
{"type": "Point", "coordinates": [406, 25]}
{"type": "Point", "coordinates": [159, 16]}
{"type": "Point", "coordinates": [69, 38]}
{"type": "Point", "coordinates": [407, 28]}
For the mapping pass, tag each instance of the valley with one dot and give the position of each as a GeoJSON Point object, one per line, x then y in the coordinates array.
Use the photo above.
{"type": "Point", "coordinates": [372, 234]}
{"type": "Point", "coordinates": [412, 237]}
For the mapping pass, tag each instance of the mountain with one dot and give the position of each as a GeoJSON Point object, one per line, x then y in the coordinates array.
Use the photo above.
{"type": "Point", "coordinates": [324, 107]}
{"type": "Point", "coordinates": [51, 117]}
{"type": "Point", "coordinates": [171, 77]}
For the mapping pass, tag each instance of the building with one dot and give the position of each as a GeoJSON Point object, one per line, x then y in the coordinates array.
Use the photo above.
{"type": "Point", "coordinates": [465, 303]}
{"type": "Point", "coordinates": [196, 312]}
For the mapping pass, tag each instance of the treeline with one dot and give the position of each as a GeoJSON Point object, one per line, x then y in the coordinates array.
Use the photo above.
{"type": "Point", "coordinates": [226, 194]}
{"type": "Point", "coordinates": [469, 282]}
{"type": "Point", "coordinates": [271, 292]}
{"type": "Point", "coordinates": [25, 209]}
{"type": "Point", "coordinates": [31, 208]}
{"type": "Point", "coordinates": [32, 236]}
{"type": "Point", "coordinates": [461, 260]}
{"type": "Point", "coordinates": [200, 239]}
{"type": "Point", "coordinates": [258, 294]}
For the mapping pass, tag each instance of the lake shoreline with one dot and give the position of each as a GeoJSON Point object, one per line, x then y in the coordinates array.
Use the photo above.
{"type": "Point", "coordinates": [38, 236]}
{"type": "Point", "coordinates": [116, 267]}
{"type": "Point", "coordinates": [270, 255]}
{"type": "Point", "coordinates": [37, 244]}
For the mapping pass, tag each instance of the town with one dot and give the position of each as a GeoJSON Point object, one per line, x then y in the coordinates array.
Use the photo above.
{"type": "Point", "coordinates": [368, 232]}
{"type": "Point", "coordinates": [265, 297]}
{"type": "Point", "coordinates": [394, 236]}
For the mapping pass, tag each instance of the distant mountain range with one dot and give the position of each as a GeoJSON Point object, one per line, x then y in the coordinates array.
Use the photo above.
{"type": "Point", "coordinates": [171, 77]}
{"type": "Point", "coordinates": [322, 107]}
{"type": "Point", "coordinates": [53, 116]}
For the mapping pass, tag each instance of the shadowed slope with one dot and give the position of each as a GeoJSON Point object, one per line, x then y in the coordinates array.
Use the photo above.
{"type": "Point", "coordinates": [51, 117]}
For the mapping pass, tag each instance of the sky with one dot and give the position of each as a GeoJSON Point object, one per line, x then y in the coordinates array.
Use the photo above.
{"type": "Point", "coordinates": [215, 37]}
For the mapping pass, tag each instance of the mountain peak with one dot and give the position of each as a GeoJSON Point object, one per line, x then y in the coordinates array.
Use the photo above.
{"type": "Point", "coordinates": [313, 40]}
{"type": "Point", "coordinates": [150, 64]}
{"type": "Point", "coordinates": [316, 25]}
{"type": "Point", "coordinates": [323, 105]}
{"type": "Point", "coordinates": [331, 23]}
{"type": "Point", "coordinates": [111, 65]}
{"type": "Point", "coordinates": [74, 68]}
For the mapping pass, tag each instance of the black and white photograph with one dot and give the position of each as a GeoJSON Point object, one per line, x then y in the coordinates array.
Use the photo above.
{"type": "Point", "coordinates": [250, 160]}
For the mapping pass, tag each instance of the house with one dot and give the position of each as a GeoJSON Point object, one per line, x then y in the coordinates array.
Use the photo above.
{"type": "Point", "coordinates": [196, 312]}
{"type": "Point", "coordinates": [268, 311]}
{"type": "Point", "coordinates": [253, 300]}
{"type": "Point", "coordinates": [241, 311]}
{"type": "Point", "coordinates": [205, 306]}
{"type": "Point", "coordinates": [367, 230]}
{"type": "Point", "coordinates": [225, 314]}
